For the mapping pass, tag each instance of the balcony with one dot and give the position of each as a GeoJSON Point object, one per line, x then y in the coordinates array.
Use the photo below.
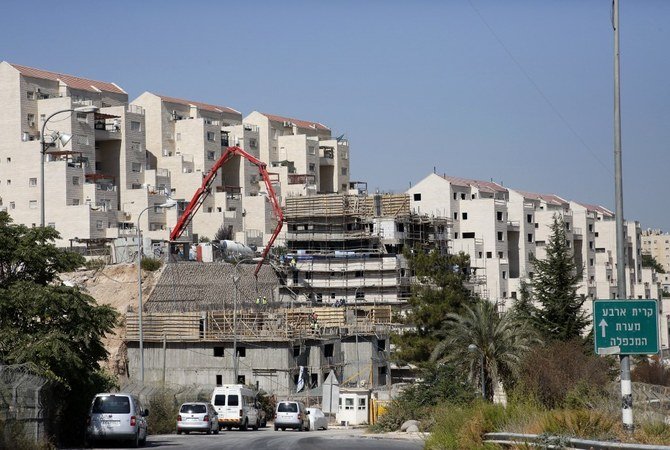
{"type": "Point", "coordinates": [107, 127]}
{"type": "Point", "coordinates": [305, 178]}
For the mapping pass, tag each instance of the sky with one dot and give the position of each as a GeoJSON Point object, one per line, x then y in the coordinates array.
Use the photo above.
{"type": "Point", "coordinates": [520, 92]}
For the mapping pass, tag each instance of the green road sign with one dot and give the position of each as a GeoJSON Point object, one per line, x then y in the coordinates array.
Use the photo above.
{"type": "Point", "coordinates": [625, 327]}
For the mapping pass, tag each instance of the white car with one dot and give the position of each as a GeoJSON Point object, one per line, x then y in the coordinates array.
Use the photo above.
{"type": "Point", "coordinates": [317, 419]}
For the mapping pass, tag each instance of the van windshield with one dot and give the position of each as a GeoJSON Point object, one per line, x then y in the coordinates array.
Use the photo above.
{"type": "Point", "coordinates": [233, 400]}
{"type": "Point", "coordinates": [193, 408]}
{"type": "Point", "coordinates": [288, 407]}
{"type": "Point", "coordinates": [111, 405]}
{"type": "Point", "coordinates": [220, 400]}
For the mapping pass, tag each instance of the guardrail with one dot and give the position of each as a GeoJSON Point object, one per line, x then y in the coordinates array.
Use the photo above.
{"type": "Point", "coordinates": [563, 442]}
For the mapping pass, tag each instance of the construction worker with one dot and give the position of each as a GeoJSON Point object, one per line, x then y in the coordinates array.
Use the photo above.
{"type": "Point", "coordinates": [265, 301]}
{"type": "Point", "coordinates": [258, 300]}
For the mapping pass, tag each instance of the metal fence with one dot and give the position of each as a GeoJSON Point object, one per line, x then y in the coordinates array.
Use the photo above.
{"type": "Point", "coordinates": [22, 404]}
{"type": "Point", "coordinates": [145, 392]}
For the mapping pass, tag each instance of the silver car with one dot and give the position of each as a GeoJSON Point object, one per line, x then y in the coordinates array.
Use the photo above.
{"type": "Point", "coordinates": [117, 417]}
{"type": "Point", "coordinates": [197, 416]}
{"type": "Point", "coordinates": [317, 419]}
{"type": "Point", "coordinates": [291, 414]}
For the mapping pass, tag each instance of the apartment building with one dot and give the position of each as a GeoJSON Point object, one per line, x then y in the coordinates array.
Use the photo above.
{"type": "Point", "coordinates": [307, 159]}
{"type": "Point", "coordinates": [657, 244]}
{"type": "Point", "coordinates": [501, 229]}
{"type": "Point", "coordinates": [95, 182]}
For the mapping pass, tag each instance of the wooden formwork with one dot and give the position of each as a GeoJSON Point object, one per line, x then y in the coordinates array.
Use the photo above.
{"type": "Point", "coordinates": [338, 205]}
{"type": "Point", "coordinates": [250, 324]}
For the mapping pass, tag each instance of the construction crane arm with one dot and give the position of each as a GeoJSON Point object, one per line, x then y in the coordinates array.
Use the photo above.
{"type": "Point", "coordinates": [203, 191]}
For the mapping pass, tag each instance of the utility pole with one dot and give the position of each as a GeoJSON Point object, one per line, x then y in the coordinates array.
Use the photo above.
{"type": "Point", "coordinates": [626, 386]}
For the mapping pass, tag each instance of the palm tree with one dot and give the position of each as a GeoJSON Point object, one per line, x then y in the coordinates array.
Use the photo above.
{"type": "Point", "coordinates": [488, 344]}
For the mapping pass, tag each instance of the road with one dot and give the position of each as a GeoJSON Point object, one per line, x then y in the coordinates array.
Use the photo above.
{"type": "Point", "coordinates": [267, 438]}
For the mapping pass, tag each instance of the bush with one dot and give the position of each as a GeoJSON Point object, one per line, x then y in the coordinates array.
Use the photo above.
{"type": "Point", "coordinates": [13, 435]}
{"type": "Point", "coordinates": [583, 423]}
{"type": "Point", "coordinates": [162, 412]}
{"type": "Point", "coordinates": [151, 264]}
{"type": "Point", "coordinates": [549, 373]}
{"type": "Point", "coordinates": [657, 433]}
{"type": "Point", "coordinates": [95, 264]}
{"type": "Point", "coordinates": [652, 371]}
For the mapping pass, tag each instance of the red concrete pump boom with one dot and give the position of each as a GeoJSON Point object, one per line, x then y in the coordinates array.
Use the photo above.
{"type": "Point", "coordinates": [204, 190]}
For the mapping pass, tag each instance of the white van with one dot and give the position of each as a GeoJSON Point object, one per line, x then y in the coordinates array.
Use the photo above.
{"type": "Point", "coordinates": [237, 407]}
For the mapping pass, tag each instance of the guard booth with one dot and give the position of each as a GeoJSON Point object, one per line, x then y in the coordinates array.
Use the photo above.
{"type": "Point", "coordinates": [354, 406]}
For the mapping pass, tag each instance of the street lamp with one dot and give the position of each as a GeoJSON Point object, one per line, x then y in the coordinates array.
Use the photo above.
{"type": "Point", "coordinates": [64, 138]}
{"type": "Point", "coordinates": [168, 204]}
{"type": "Point", "coordinates": [474, 348]}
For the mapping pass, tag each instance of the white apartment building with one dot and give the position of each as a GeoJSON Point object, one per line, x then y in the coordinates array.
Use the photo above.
{"type": "Point", "coordinates": [95, 184]}
{"type": "Point", "coordinates": [307, 159]}
{"type": "Point", "coordinates": [502, 228]}
{"type": "Point", "coordinates": [657, 244]}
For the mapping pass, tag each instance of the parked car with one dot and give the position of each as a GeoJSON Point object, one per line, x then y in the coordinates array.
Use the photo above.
{"type": "Point", "coordinates": [317, 419]}
{"type": "Point", "coordinates": [291, 414]}
{"type": "Point", "coordinates": [237, 407]}
{"type": "Point", "coordinates": [197, 416]}
{"type": "Point", "coordinates": [117, 417]}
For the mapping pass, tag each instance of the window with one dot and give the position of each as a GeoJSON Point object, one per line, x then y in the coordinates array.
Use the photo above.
{"type": "Point", "coordinates": [500, 235]}
{"type": "Point", "coordinates": [9, 182]}
{"type": "Point", "coordinates": [136, 167]}
{"type": "Point", "coordinates": [33, 204]}
{"type": "Point", "coordinates": [344, 171]}
{"type": "Point", "coordinates": [32, 182]}
{"type": "Point", "coordinates": [469, 235]}
{"type": "Point", "coordinates": [75, 201]}
{"type": "Point", "coordinates": [241, 351]}
{"type": "Point", "coordinates": [211, 136]}
{"type": "Point", "coordinates": [456, 235]}
{"type": "Point", "coordinates": [253, 143]}
{"type": "Point", "coordinates": [499, 215]}
{"type": "Point", "coordinates": [210, 156]}
{"type": "Point", "coordinates": [529, 218]}
{"type": "Point", "coordinates": [135, 126]}
{"type": "Point", "coordinates": [348, 403]}
{"type": "Point", "coordinates": [136, 146]}
{"type": "Point", "coordinates": [530, 237]}
{"type": "Point", "coordinates": [9, 159]}
{"type": "Point", "coordinates": [219, 382]}
{"type": "Point", "coordinates": [179, 136]}
{"type": "Point", "coordinates": [82, 117]}
{"type": "Point", "coordinates": [455, 195]}
{"type": "Point", "coordinates": [591, 245]}
{"type": "Point", "coordinates": [591, 262]}
{"type": "Point", "coordinates": [311, 150]}
{"type": "Point", "coordinates": [99, 225]}
{"type": "Point", "coordinates": [489, 255]}
{"type": "Point", "coordinates": [328, 350]}
{"type": "Point", "coordinates": [462, 195]}
{"type": "Point", "coordinates": [465, 216]}
{"type": "Point", "coordinates": [30, 95]}
{"type": "Point", "coordinates": [218, 352]}
{"type": "Point", "coordinates": [361, 403]}
{"type": "Point", "coordinates": [312, 167]}
{"type": "Point", "coordinates": [82, 139]}
{"type": "Point", "coordinates": [417, 197]}
{"type": "Point", "coordinates": [381, 345]}
{"type": "Point", "coordinates": [590, 227]}
{"type": "Point", "coordinates": [455, 216]}
{"type": "Point", "coordinates": [500, 255]}
{"type": "Point", "coordinates": [75, 181]}
{"type": "Point", "coordinates": [504, 275]}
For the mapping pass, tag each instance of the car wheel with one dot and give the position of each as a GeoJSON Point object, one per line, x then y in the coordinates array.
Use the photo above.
{"type": "Point", "coordinates": [143, 441]}
{"type": "Point", "coordinates": [283, 428]}
{"type": "Point", "coordinates": [276, 428]}
{"type": "Point", "coordinates": [258, 425]}
{"type": "Point", "coordinates": [178, 431]}
{"type": "Point", "coordinates": [301, 427]}
{"type": "Point", "coordinates": [209, 430]}
{"type": "Point", "coordinates": [229, 428]}
{"type": "Point", "coordinates": [216, 430]}
{"type": "Point", "coordinates": [186, 432]}
{"type": "Point", "coordinates": [245, 426]}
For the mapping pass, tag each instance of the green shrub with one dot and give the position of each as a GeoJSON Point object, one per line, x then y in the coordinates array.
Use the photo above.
{"type": "Point", "coordinates": [583, 423]}
{"type": "Point", "coordinates": [162, 412]}
{"type": "Point", "coordinates": [463, 426]}
{"type": "Point", "coordinates": [151, 264]}
{"type": "Point", "coordinates": [95, 264]}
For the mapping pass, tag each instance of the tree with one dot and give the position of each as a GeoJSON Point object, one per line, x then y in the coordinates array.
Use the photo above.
{"type": "Point", "coordinates": [488, 345]}
{"type": "Point", "coordinates": [57, 329]}
{"type": "Point", "coordinates": [440, 291]}
{"type": "Point", "coordinates": [552, 304]}
{"type": "Point", "coordinates": [649, 261]}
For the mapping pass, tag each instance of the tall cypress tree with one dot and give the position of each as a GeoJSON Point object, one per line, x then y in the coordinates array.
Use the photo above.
{"type": "Point", "coordinates": [553, 305]}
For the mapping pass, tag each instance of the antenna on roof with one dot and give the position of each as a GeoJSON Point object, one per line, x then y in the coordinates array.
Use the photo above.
{"type": "Point", "coordinates": [340, 137]}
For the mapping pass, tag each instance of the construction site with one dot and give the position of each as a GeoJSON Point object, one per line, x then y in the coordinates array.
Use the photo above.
{"type": "Point", "coordinates": [325, 304]}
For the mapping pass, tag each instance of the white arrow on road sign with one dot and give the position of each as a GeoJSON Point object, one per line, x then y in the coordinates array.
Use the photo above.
{"type": "Point", "coordinates": [603, 325]}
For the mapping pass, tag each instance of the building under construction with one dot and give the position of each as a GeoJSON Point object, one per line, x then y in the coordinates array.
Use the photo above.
{"type": "Point", "coordinates": [348, 249]}
{"type": "Point", "coordinates": [209, 324]}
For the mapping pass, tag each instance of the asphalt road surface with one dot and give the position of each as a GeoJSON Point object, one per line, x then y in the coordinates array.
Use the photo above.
{"type": "Point", "coordinates": [267, 438]}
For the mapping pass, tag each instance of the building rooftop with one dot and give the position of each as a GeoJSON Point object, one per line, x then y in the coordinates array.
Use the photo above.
{"type": "Point", "coordinates": [597, 208]}
{"type": "Point", "coordinates": [550, 199]}
{"type": "Point", "coordinates": [299, 123]}
{"type": "Point", "coordinates": [203, 106]}
{"type": "Point", "coordinates": [71, 81]}
{"type": "Point", "coordinates": [488, 186]}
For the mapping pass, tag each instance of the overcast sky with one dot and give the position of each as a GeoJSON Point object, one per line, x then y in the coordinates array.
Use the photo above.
{"type": "Point", "coordinates": [517, 91]}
